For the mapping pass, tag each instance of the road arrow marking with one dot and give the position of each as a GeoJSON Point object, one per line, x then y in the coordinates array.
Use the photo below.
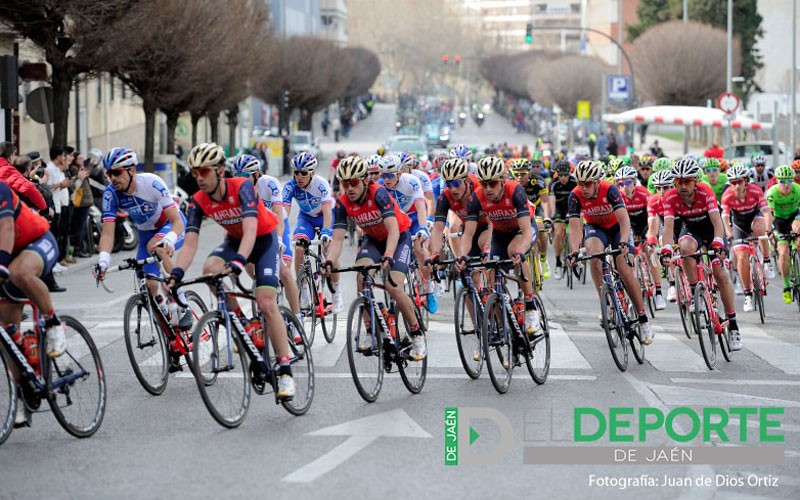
{"type": "Point", "coordinates": [360, 433]}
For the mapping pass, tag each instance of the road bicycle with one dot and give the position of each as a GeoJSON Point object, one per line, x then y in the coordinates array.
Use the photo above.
{"type": "Point", "coordinates": [708, 325]}
{"type": "Point", "coordinates": [757, 275]}
{"type": "Point", "coordinates": [316, 300]}
{"type": "Point", "coordinates": [504, 338]}
{"type": "Point", "coordinates": [231, 363]}
{"type": "Point", "coordinates": [375, 340]}
{"type": "Point", "coordinates": [794, 268]}
{"type": "Point", "coordinates": [74, 384]}
{"type": "Point", "coordinates": [620, 319]}
{"type": "Point", "coordinates": [415, 288]}
{"type": "Point", "coordinates": [684, 293]}
{"type": "Point", "coordinates": [647, 285]}
{"type": "Point", "coordinates": [154, 341]}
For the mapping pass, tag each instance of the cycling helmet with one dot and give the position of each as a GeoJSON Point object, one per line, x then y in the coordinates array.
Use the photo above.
{"type": "Point", "coordinates": [374, 163]}
{"type": "Point", "coordinates": [491, 168]}
{"type": "Point", "coordinates": [407, 159]}
{"type": "Point", "coordinates": [758, 159]}
{"type": "Point", "coordinates": [246, 165]}
{"type": "Point", "coordinates": [439, 159]}
{"type": "Point", "coordinates": [454, 169]}
{"type": "Point", "coordinates": [738, 171]}
{"type": "Point", "coordinates": [796, 165]}
{"type": "Point", "coordinates": [589, 171]}
{"type": "Point", "coordinates": [625, 172]}
{"type": "Point", "coordinates": [614, 164]}
{"type": "Point", "coordinates": [785, 171]}
{"type": "Point", "coordinates": [119, 158]}
{"type": "Point", "coordinates": [207, 154]}
{"type": "Point", "coordinates": [647, 160]}
{"type": "Point", "coordinates": [686, 168]}
{"type": "Point", "coordinates": [626, 160]}
{"type": "Point", "coordinates": [520, 166]}
{"type": "Point", "coordinates": [351, 167]}
{"type": "Point", "coordinates": [461, 151]}
{"type": "Point", "coordinates": [701, 162]}
{"type": "Point", "coordinates": [582, 153]}
{"type": "Point", "coordinates": [663, 178]}
{"type": "Point", "coordinates": [711, 163]}
{"type": "Point", "coordinates": [563, 167]}
{"type": "Point", "coordinates": [390, 164]}
{"type": "Point", "coordinates": [304, 161]}
{"type": "Point", "coordinates": [723, 165]}
{"type": "Point", "coordinates": [381, 151]}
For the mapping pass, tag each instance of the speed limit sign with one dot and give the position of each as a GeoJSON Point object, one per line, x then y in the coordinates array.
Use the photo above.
{"type": "Point", "coordinates": [728, 102]}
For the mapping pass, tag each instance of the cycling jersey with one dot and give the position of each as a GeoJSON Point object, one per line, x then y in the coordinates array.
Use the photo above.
{"type": "Point", "coordinates": [310, 199]}
{"type": "Point", "coordinates": [438, 186]}
{"type": "Point", "coordinates": [762, 179]}
{"type": "Point", "coordinates": [655, 206]}
{"type": "Point", "coordinates": [269, 190]}
{"type": "Point", "coordinates": [695, 216]}
{"type": "Point", "coordinates": [719, 187]}
{"type": "Point", "coordinates": [28, 225]}
{"type": "Point", "coordinates": [145, 206]}
{"type": "Point", "coordinates": [535, 189]}
{"type": "Point", "coordinates": [407, 190]}
{"type": "Point", "coordinates": [371, 212]}
{"type": "Point", "coordinates": [784, 206]}
{"type": "Point", "coordinates": [752, 205]}
{"type": "Point", "coordinates": [597, 211]}
{"type": "Point", "coordinates": [503, 215]}
{"type": "Point", "coordinates": [561, 193]}
{"type": "Point", "coordinates": [424, 180]}
{"type": "Point", "coordinates": [447, 202]}
{"type": "Point", "coordinates": [637, 209]}
{"type": "Point", "coordinates": [240, 202]}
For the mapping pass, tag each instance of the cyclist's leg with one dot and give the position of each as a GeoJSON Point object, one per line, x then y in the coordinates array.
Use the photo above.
{"type": "Point", "coordinates": [288, 278]}
{"type": "Point", "coordinates": [741, 250]}
{"type": "Point", "coordinates": [216, 262]}
{"type": "Point", "coordinates": [304, 229]}
{"type": "Point", "coordinates": [402, 257]}
{"type": "Point", "coordinates": [559, 235]}
{"type": "Point", "coordinates": [759, 228]}
{"type": "Point", "coordinates": [626, 272]}
{"type": "Point", "coordinates": [688, 244]}
{"type": "Point", "coordinates": [595, 241]}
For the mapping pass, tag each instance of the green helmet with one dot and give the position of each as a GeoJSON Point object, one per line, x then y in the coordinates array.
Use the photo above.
{"type": "Point", "coordinates": [784, 172]}
{"type": "Point", "coordinates": [614, 164]}
{"type": "Point", "coordinates": [662, 163]}
{"type": "Point", "coordinates": [626, 160]}
{"type": "Point", "coordinates": [712, 163]}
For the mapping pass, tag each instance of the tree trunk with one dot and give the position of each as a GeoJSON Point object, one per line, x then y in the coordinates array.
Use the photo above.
{"type": "Point", "coordinates": [233, 122]}
{"type": "Point", "coordinates": [195, 120]}
{"type": "Point", "coordinates": [172, 124]}
{"type": "Point", "coordinates": [149, 132]}
{"type": "Point", "coordinates": [61, 81]}
{"type": "Point", "coordinates": [213, 123]}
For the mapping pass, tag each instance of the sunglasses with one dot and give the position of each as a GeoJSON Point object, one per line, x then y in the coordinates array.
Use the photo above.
{"type": "Point", "coordinates": [737, 182]}
{"type": "Point", "coordinates": [454, 184]}
{"type": "Point", "coordinates": [645, 168]}
{"type": "Point", "coordinates": [662, 188]}
{"type": "Point", "coordinates": [115, 173]}
{"type": "Point", "coordinates": [627, 183]}
{"type": "Point", "coordinates": [785, 182]}
{"type": "Point", "coordinates": [351, 182]}
{"type": "Point", "coordinates": [201, 172]}
{"type": "Point", "coordinates": [584, 184]}
{"type": "Point", "coordinates": [492, 184]}
{"type": "Point", "coordinates": [685, 182]}
{"type": "Point", "coordinates": [712, 169]}
{"type": "Point", "coordinates": [374, 174]}
{"type": "Point", "coordinates": [388, 176]}
{"type": "Point", "coordinates": [302, 173]}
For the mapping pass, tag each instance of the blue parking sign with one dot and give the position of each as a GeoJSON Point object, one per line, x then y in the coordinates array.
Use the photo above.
{"type": "Point", "coordinates": [619, 88]}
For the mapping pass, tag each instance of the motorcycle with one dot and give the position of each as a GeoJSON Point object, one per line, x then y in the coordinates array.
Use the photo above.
{"type": "Point", "coordinates": [479, 119]}
{"type": "Point", "coordinates": [462, 119]}
{"type": "Point", "coordinates": [126, 237]}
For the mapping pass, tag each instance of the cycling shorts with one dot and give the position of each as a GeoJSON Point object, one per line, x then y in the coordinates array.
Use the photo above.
{"type": "Point", "coordinates": [608, 236]}
{"type": "Point", "coordinates": [742, 228]}
{"type": "Point", "coordinates": [374, 250]}
{"type": "Point", "coordinates": [308, 226]}
{"type": "Point", "coordinates": [46, 248]}
{"type": "Point", "coordinates": [145, 237]}
{"type": "Point", "coordinates": [264, 256]}
{"type": "Point", "coordinates": [783, 227]}
{"type": "Point", "coordinates": [501, 240]}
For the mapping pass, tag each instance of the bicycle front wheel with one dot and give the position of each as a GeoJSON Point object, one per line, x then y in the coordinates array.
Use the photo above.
{"type": "Point", "coordinates": [539, 361]}
{"type": "Point", "coordinates": [757, 278]}
{"type": "Point", "coordinates": [364, 350]}
{"type": "Point", "coordinates": [324, 308]}
{"type": "Point", "coordinates": [414, 289]}
{"type": "Point", "coordinates": [497, 344]}
{"type": "Point", "coordinates": [704, 325]}
{"type": "Point", "coordinates": [468, 334]}
{"type": "Point", "coordinates": [76, 383]}
{"type": "Point", "coordinates": [222, 360]}
{"type": "Point", "coordinates": [725, 344]}
{"type": "Point", "coordinates": [146, 346]}
{"type": "Point", "coordinates": [302, 365]}
{"type": "Point", "coordinates": [635, 334]}
{"type": "Point", "coordinates": [8, 400]}
{"type": "Point", "coordinates": [305, 286]}
{"type": "Point", "coordinates": [615, 332]}
{"type": "Point", "coordinates": [684, 302]}
{"type": "Point", "coordinates": [412, 372]}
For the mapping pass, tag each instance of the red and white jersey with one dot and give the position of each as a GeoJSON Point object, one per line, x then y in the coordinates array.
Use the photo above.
{"type": "Point", "coordinates": [697, 212]}
{"type": "Point", "coordinates": [754, 201]}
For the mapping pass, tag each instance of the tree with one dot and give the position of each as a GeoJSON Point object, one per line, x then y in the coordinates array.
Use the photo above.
{"type": "Point", "coordinates": [567, 80]}
{"type": "Point", "coordinates": [510, 73]}
{"type": "Point", "coordinates": [681, 63]}
{"type": "Point", "coordinates": [366, 68]}
{"type": "Point", "coordinates": [746, 27]}
{"type": "Point", "coordinates": [68, 32]}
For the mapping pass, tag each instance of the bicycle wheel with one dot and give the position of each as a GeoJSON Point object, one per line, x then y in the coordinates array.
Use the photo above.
{"type": "Point", "coordinates": [414, 289]}
{"type": "Point", "coordinates": [323, 306]}
{"type": "Point", "coordinates": [570, 276]}
{"type": "Point", "coordinates": [76, 382]}
{"type": "Point", "coordinates": [146, 345]}
{"type": "Point", "coordinates": [305, 285]}
{"type": "Point", "coordinates": [197, 307]}
{"type": "Point", "coordinates": [704, 325]}
{"type": "Point", "coordinates": [635, 334]}
{"type": "Point", "coordinates": [725, 344]}
{"type": "Point", "coordinates": [8, 400]}
{"type": "Point", "coordinates": [366, 365]}
{"type": "Point", "coordinates": [302, 365]}
{"type": "Point", "coordinates": [539, 361]}
{"type": "Point", "coordinates": [757, 278]}
{"type": "Point", "coordinates": [794, 272]}
{"type": "Point", "coordinates": [228, 397]}
{"type": "Point", "coordinates": [615, 334]}
{"type": "Point", "coordinates": [412, 372]}
{"type": "Point", "coordinates": [468, 335]}
{"type": "Point", "coordinates": [497, 344]}
{"type": "Point", "coordinates": [644, 285]}
{"type": "Point", "coordinates": [684, 301]}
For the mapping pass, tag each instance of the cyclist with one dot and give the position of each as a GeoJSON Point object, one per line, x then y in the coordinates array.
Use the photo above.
{"type": "Point", "coordinates": [784, 199]}
{"type": "Point", "coordinates": [509, 212]}
{"type": "Point", "coordinates": [714, 177]}
{"type": "Point", "coordinates": [251, 238]}
{"type": "Point", "coordinates": [663, 181]}
{"type": "Point", "coordinates": [645, 168]}
{"type": "Point", "coordinates": [313, 195]}
{"type": "Point", "coordinates": [659, 165]}
{"type": "Point", "coordinates": [269, 192]}
{"type": "Point", "coordinates": [386, 240]}
{"type": "Point", "coordinates": [406, 190]}
{"type": "Point", "coordinates": [152, 209]}
{"type": "Point", "coordinates": [636, 200]}
{"type": "Point", "coordinates": [743, 207]}
{"type": "Point", "coordinates": [374, 167]}
{"type": "Point", "coordinates": [761, 173]}
{"type": "Point", "coordinates": [465, 153]}
{"type": "Point", "coordinates": [607, 223]}
{"type": "Point", "coordinates": [559, 201]}
{"type": "Point", "coordinates": [332, 180]}
{"type": "Point", "coordinates": [695, 203]}
{"type": "Point", "coordinates": [409, 164]}
{"type": "Point", "coordinates": [538, 194]}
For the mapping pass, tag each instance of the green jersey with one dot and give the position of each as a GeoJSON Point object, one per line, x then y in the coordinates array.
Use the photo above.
{"type": "Point", "coordinates": [784, 206]}
{"type": "Point", "coordinates": [719, 187]}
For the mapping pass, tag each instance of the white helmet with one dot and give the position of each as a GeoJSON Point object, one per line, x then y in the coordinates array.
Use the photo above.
{"type": "Point", "coordinates": [207, 154]}
{"type": "Point", "coordinates": [686, 168]}
{"type": "Point", "coordinates": [351, 167]}
{"type": "Point", "coordinates": [390, 164]}
{"type": "Point", "coordinates": [589, 171]}
{"type": "Point", "coordinates": [491, 168]}
{"type": "Point", "coordinates": [626, 172]}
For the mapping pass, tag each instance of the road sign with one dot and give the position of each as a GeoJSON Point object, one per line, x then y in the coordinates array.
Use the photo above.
{"type": "Point", "coordinates": [39, 104]}
{"type": "Point", "coordinates": [728, 102]}
{"type": "Point", "coordinates": [619, 88]}
{"type": "Point", "coordinates": [583, 110]}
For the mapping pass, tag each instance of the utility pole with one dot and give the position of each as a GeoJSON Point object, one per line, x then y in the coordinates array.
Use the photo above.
{"type": "Point", "coordinates": [685, 11]}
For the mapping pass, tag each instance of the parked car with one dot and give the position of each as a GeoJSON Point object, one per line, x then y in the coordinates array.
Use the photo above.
{"type": "Point", "coordinates": [412, 143]}
{"type": "Point", "coordinates": [304, 141]}
{"type": "Point", "coordinates": [746, 150]}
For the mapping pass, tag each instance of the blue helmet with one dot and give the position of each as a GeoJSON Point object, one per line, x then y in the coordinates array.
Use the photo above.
{"type": "Point", "coordinates": [407, 159]}
{"type": "Point", "coordinates": [246, 165]}
{"type": "Point", "coordinates": [304, 161]}
{"type": "Point", "coordinates": [119, 158]}
{"type": "Point", "coordinates": [461, 151]}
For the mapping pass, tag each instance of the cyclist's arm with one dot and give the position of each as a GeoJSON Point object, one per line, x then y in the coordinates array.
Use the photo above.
{"type": "Point", "coordinates": [575, 234]}
{"type": "Point", "coordinates": [669, 228]}
{"type": "Point", "coordinates": [652, 227]}
{"type": "Point", "coordinates": [525, 243]}
{"type": "Point", "coordinates": [436, 238]}
{"type": "Point", "coordinates": [466, 236]}
{"type": "Point", "coordinates": [249, 202]}
{"type": "Point", "coordinates": [767, 211]}
{"type": "Point", "coordinates": [6, 221]}
{"type": "Point", "coordinates": [109, 221]}
{"type": "Point", "coordinates": [393, 228]}
{"type": "Point", "coordinates": [624, 221]}
{"type": "Point", "coordinates": [174, 217]}
{"type": "Point", "coordinates": [546, 206]}
{"type": "Point", "coordinates": [422, 211]}
{"type": "Point", "coordinates": [339, 231]}
{"type": "Point", "coordinates": [327, 215]}
{"type": "Point", "coordinates": [277, 209]}
{"type": "Point", "coordinates": [716, 220]}
{"type": "Point", "coordinates": [189, 249]}
{"type": "Point", "coordinates": [726, 224]}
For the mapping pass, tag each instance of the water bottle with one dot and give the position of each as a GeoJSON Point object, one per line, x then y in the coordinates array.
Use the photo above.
{"type": "Point", "coordinates": [162, 305]}
{"type": "Point", "coordinates": [14, 333]}
{"type": "Point", "coordinates": [519, 310]}
{"type": "Point", "coordinates": [30, 346]}
{"type": "Point", "coordinates": [173, 313]}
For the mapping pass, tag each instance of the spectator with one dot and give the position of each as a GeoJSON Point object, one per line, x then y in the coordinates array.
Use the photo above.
{"type": "Point", "coordinates": [797, 153]}
{"type": "Point", "coordinates": [602, 144]}
{"type": "Point", "coordinates": [16, 180]}
{"type": "Point", "coordinates": [642, 134]}
{"type": "Point", "coordinates": [656, 150]}
{"type": "Point", "coordinates": [326, 122]}
{"type": "Point", "coordinates": [613, 148]}
{"type": "Point", "coordinates": [58, 184]}
{"type": "Point", "coordinates": [591, 141]}
{"type": "Point", "coordinates": [82, 199]}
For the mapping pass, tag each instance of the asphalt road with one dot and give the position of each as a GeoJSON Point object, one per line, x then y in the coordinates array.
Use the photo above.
{"type": "Point", "coordinates": [168, 446]}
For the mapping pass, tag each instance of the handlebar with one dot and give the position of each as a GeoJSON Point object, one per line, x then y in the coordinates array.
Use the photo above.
{"type": "Point", "coordinates": [600, 255]}
{"type": "Point", "coordinates": [131, 263]}
{"type": "Point", "coordinates": [365, 270]}
{"type": "Point", "coordinates": [308, 243]}
{"type": "Point", "coordinates": [209, 279]}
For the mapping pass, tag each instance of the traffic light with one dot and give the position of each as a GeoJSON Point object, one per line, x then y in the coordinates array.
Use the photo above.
{"type": "Point", "coordinates": [9, 81]}
{"type": "Point", "coordinates": [529, 33]}
{"type": "Point", "coordinates": [445, 58]}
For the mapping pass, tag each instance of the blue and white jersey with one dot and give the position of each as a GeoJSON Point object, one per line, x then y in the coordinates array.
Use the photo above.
{"type": "Point", "coordinates": [407, 190]}
{"type": "Point", "coordinates": [438, 185]}
{"type": "Point", "coordinates": [311, 199]}
{"type": "Point", "coordinates": [424, 180]}
{"type": "Point", "coordinates": [473, 167]}
{"type": "Point", "coordinates": [269, 190]}
{"type": "Point", "coordinates": [761, 180]}
{"type": "Point", "coordinates": [145, 206]}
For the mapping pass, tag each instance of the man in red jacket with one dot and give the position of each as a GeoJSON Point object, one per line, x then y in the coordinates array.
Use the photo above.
{"type": "Point", "coordinates": [16, 181]}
